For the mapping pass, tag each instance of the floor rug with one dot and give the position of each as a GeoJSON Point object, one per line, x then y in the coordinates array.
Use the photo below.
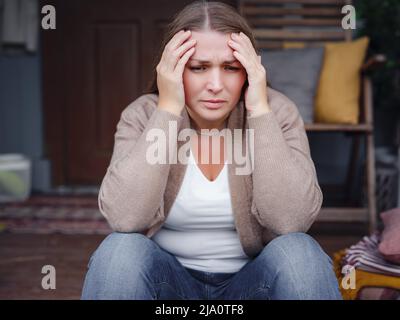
{"type": "Point", "coordinates": [54, 214]}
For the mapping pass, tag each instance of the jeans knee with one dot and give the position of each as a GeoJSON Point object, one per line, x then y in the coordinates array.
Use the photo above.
{"type": "Point", "coordinates": [121, 267]}
{"type": "Point", "coordinates": [301, 266]}
{"type": "Point", "coordinates": [123, 249]}
{"type": "Point", "coordinates": [132, 240]}
{"type": "Point", "coordinates": [299, 250]}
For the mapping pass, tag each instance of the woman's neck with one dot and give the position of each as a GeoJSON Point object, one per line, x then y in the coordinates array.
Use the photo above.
{"type": "Point", "coordinates": [198, 125]}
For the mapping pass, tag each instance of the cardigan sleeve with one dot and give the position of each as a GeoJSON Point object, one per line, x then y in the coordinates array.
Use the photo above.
{"type": "Point", "coordinates": [286, 194]}
{"type": "Point", "coordinates": [131, 192]}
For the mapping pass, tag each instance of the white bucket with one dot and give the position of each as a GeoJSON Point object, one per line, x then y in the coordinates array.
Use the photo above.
{"type": "Point", "coordinates": [15, 177]}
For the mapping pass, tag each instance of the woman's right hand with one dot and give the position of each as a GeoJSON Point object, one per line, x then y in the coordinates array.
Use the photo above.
{"type": "Point", "coordinates": [170, 72]}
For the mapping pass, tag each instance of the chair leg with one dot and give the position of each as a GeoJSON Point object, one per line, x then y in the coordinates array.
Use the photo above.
{"type": "Point", "coordinates": [370, 150]}
{"type": "Point", "coordinates": [370, 168]}
{"type": "Point", "coordinates": [355, 150]}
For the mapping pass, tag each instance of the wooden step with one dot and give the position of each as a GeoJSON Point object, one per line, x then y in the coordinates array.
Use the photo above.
{"type": "Point", "coordinates": [334, 214]}
{"type": "Point", "coordinates": [338, 127]}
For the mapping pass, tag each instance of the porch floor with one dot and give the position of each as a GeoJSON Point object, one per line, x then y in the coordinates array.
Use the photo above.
{"type": "Point", "coordinates": [22, 257]}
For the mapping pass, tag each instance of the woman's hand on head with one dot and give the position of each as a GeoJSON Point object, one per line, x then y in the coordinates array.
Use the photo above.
{"type": "Point", "coordinates": [255, 95]}
{"type": "Point", "coordinates": [170, 72]}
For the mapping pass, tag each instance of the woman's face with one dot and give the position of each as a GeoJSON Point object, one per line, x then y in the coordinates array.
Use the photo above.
{"type": "Point", "coordinates": [212, 73]}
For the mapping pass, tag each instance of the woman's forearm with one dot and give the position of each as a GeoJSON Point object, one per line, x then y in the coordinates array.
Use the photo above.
{"type": "Point", "coordinates": [132, 190]}
{"type": "Point", "coordinates": [286, 193]}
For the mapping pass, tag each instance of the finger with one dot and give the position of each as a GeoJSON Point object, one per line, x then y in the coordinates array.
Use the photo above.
{"type": "Point", "coordinates": [171, 42]}
{"type": "Point", "coordinates": [170, 56]}
{"type": "Point", "coordinates": [233, 44]}
{"type": "Point", "coordinates": [184, 47]}
{"type": "Point", "coordinates": [178, 39]}
{"type": "Point", "coordinates": [238, 46]}
{"type": "Point", "coordinates": [177, 54]}
{"type": "Point", "coordinates": [248, 43]}
{"type": "Point", "coordinates": [174, 37]}
{"type": "Point", "coordinates": [250, 60]}
{"type": "Point", "coordinates": [240, 39]}
{"type": "Point", "coordinates": [242, 60]}
{"type": "Point", "coordinates": [182, 62]}
{"type": "Point", "coordinates": [247, 63]}
{"type": "Point", "coordinates": [246, 39]}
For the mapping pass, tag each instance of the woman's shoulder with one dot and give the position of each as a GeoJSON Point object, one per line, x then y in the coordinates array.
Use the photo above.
{"type": "Point", "coordinates": [277, 99]}
{"type": "Point", "coordinates": [142, 106]}
{"type": "Point", "coordinates": [282, 105]}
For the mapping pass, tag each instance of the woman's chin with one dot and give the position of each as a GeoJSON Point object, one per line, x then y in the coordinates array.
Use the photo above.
{"type": "Point", "coordinates": [214, 116]}
{"type": "Point", "coordinates": [214, 112]}
{"type": "Point", "coordinates": [210, 115]}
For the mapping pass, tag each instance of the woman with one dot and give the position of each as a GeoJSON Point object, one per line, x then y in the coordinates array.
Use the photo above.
{"type": "Point", "coordinates": [202, 230]}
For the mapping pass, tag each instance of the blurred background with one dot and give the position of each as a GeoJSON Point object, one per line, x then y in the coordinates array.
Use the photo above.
{"type": "Point", "coordinates": [62, 92]}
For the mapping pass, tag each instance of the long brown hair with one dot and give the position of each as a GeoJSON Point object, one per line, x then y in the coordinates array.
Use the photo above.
{"type": "Point", "coordinates": [202, 16]}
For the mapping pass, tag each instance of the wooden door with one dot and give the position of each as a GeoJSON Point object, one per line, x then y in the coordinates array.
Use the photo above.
{"type": "Point", "coordinates": [97, 61]}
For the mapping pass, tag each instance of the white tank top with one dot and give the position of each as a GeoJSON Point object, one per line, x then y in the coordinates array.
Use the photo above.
{"type": "Point", "coordinates": [200, 230]}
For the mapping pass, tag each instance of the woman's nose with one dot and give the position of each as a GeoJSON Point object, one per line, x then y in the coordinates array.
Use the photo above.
{"type": "Point", "coordinates": [215, 81]}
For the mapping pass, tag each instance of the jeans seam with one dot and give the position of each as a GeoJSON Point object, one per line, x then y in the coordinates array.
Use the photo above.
{"type": "Point", "coordinates": [265, 286]}
{"type": "Point", "coordinates": [251, 292]}
{"type": "Point", "coordinates": [257, 290]}
{"type": "Point", "coordinates": [291, 267]}
{"type": "Point", "coordinates": [172, 287]}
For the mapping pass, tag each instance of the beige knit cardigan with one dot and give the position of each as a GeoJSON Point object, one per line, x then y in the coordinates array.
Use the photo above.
{"type": "Point", "coordinates": [281, 194]}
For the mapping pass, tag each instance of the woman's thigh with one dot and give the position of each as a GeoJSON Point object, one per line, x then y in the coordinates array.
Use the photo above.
{"type": "Point", "coordinates": [132, 266]}
{"type": "Point", "coordinates": [291, 266]}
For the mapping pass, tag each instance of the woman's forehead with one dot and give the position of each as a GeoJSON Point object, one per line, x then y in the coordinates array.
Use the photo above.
{"type": "Point", "coordinates": [214, 59]}
{"type": "Point", "coordinates": [208, 33]}
{"type": "Point", "coordinates": [212, 47]}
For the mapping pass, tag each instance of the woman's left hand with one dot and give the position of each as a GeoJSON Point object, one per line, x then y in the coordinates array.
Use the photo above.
{"type": "Point", "coordinates": [256, 93]}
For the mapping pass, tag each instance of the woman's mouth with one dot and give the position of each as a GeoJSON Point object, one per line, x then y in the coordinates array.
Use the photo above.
{"type": "Point", "coordinates": [213, 104]}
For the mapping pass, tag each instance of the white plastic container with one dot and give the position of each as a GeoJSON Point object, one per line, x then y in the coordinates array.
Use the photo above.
{"type": "Point", "coordinates": [15, 177]}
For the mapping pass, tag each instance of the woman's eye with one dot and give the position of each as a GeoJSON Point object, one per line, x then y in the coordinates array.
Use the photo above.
{"type": "Point", "coordinates": [232, 68]}
{"type": "Point", "coordinates": [203, 68]}
{"type": "Point", "coordinates": [197, 68]}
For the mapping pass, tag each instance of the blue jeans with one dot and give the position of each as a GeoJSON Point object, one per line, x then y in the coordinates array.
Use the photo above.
{"type": "Point", "coordinates": [132, 266]}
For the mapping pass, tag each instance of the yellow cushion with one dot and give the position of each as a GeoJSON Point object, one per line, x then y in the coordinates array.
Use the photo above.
{"type": "Point", "coordinates": [337, 98]}
{"type": "Point", "coordinates": [363, 278]}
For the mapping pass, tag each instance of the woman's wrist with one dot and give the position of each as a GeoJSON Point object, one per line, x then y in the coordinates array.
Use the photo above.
{"type": "Point", "coordinates": [172, 109]}
{"type": "Point", "coordinates": [258, 111]}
